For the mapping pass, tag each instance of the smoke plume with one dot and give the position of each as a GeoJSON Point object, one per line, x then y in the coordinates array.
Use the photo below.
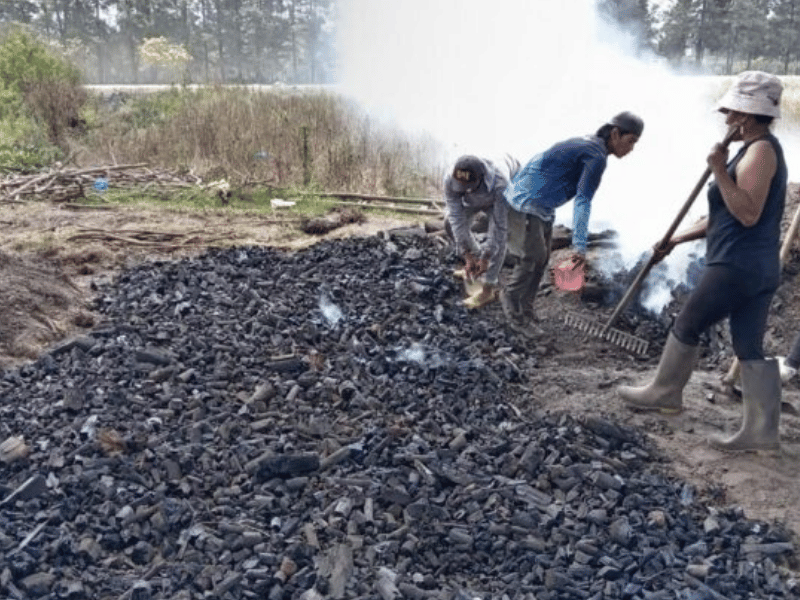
{"type": "Point", "coordinates": [516, 76]}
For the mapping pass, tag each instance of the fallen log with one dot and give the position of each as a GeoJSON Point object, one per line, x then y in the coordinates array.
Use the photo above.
{"type": "Point", "coordinates": [373, 197]}
{"type": "Point", "coordinates": [154, 239]}
{"type": "Point", "coordinates": [73, 206]}
{"type": "Point", "coordinates": [400, 209]}
{"type": "Point", "coordinates": [331, 221]}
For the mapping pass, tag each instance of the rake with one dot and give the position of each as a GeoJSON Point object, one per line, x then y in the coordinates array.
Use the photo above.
{"type": "Point", "coordinates": [605, 331]}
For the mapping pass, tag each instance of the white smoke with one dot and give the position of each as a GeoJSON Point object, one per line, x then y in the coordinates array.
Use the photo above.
{"type": "Point", "coordinates": [516, 76]}
{"type": "Point", "coordinates": [417, 353]}
{"type": "Point", "coordinates": [332, 313]}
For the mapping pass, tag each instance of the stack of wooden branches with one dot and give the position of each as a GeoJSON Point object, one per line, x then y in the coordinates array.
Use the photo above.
{"type": "Point", "coordinates": [67, 185]}
{"type": "Point", "coordinates": [158, 240]}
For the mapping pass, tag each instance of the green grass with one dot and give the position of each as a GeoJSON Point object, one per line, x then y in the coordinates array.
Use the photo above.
{"type": "Point", "coordinates": [19, 158]}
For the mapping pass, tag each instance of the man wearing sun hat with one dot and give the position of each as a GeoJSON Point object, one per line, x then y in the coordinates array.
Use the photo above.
{"type": "Point", "coordinates": [742, 267]}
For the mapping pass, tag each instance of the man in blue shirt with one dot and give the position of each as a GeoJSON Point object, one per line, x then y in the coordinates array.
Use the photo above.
{"type": "Point", "coordinates": [569, 169]}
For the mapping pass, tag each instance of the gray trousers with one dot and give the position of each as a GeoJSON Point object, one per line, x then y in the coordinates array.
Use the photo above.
{"type": "Point", "coordinates": [533, 253]}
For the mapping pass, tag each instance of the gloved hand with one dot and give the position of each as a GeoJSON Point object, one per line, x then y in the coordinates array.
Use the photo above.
{"type": "Point", "coordinates": [488, 293]}
{"type": "Point", "coordinates": [578, 259]}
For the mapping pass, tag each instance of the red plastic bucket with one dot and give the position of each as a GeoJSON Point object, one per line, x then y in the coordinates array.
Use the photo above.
{"type": "Point", "coordinates": [568, 275]}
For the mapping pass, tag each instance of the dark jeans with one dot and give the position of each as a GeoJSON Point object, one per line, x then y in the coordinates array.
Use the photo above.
{"type": "Point", "coordinates": [523, 282]}
{"type": "Point", "coordinates": [744, 297]}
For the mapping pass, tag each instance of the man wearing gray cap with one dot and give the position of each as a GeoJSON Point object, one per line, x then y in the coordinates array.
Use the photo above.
{"type": "Point", "coordinates": [569, 169]}
{"type": "Point", "coordinates": [476, 185]}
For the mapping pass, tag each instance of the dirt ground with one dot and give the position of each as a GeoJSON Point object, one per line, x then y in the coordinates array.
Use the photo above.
{"type": "Point", "coordinates": [51, 256]}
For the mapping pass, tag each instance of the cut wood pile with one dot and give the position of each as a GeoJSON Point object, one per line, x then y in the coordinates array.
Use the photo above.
{"type": "Point", "coordinates": [331, 423]}
{"type": "Point", "coordinates": [67, 185]}
{"type": "Point", "coordinates": [163, 241]}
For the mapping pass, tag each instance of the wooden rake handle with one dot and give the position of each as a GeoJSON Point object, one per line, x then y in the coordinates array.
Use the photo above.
{"type": "Point", "coordinates": [633, 288]}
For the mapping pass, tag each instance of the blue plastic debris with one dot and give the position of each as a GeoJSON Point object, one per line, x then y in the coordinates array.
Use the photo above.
{"type": "Point", "coordinates": [100, 184]}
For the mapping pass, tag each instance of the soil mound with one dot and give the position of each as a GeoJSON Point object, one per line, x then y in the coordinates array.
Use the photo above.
{"type": "Point", "coordinates": [39, 305]}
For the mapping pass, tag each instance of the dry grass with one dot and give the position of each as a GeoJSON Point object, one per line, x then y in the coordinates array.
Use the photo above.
{"type": "Point", "coordinates": [280, 138]}
{"type": "Point", "coordinates": [39, 305]}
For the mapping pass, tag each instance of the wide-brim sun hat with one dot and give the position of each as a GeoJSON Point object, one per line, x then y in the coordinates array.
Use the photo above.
{"type": "Point", "coordinates": [470, 163]}
{"type": "Point", "coordinates": [754, 93]}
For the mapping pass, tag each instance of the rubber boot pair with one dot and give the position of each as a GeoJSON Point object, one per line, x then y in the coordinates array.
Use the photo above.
{"type": "Point", "coordinates": [665, 393]}
{"type": "Point", "coordinates": [761, 395]}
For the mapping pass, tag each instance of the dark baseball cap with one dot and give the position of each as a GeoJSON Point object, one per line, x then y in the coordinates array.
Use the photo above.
{"type": "Point", "coordinates": [628, 123]}
{"type": "Point", "coordinates": [466, 174]}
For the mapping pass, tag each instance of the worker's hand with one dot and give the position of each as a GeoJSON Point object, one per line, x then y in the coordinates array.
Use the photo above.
{"type": "Point", "coordinates": [470, 265]}
{"type": "Point", "coordinates": [569, 275]}
{"type": "Point", "coordinates": [578, 260]}
{"type": "Point", "coordinates": [661, 251]}
{"type": "Point", "coordinates": [718, 158]}
{"type": "Point", "coordinates": [481, 266]}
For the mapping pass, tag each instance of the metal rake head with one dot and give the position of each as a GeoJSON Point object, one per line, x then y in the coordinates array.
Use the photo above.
{"type": "Point", "coordinates": [622, 339]}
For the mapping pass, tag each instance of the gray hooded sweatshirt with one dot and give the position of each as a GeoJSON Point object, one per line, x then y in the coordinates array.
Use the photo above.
{"type": "Point", "coordinates": [489, 198]}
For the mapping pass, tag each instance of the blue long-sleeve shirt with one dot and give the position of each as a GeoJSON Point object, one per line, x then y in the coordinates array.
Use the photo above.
{"type": "Point", "coordinates": [569, 169]}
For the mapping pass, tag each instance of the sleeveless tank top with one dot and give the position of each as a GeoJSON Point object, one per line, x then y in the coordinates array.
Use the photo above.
{"type": "Point", "coordinates": [756, 248]}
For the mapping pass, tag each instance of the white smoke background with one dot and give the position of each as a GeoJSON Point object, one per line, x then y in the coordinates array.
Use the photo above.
{"type": "Point", "coordinates": [515, 76]}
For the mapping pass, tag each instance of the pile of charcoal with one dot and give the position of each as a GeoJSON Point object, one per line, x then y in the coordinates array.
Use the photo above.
{"type": "Point", "coordinates": [331, 423]}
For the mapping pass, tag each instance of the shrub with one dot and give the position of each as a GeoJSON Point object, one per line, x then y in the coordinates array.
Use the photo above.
{"type": "Point", "coordinates": [36, 83]}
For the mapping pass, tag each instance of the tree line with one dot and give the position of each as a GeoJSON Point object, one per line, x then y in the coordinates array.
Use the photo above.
{"type": "Point", "coordinates": [292, 41]}
{"type": "Point", "coordinates": [718, 36]}
{"type": "Point", "coordinates": [186, 41]}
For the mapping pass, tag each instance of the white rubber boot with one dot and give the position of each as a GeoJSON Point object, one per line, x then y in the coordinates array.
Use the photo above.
{"type": "Point", "coordinates": [665, 392]}
{"type": "Point", "coordinates": [761, 394]}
